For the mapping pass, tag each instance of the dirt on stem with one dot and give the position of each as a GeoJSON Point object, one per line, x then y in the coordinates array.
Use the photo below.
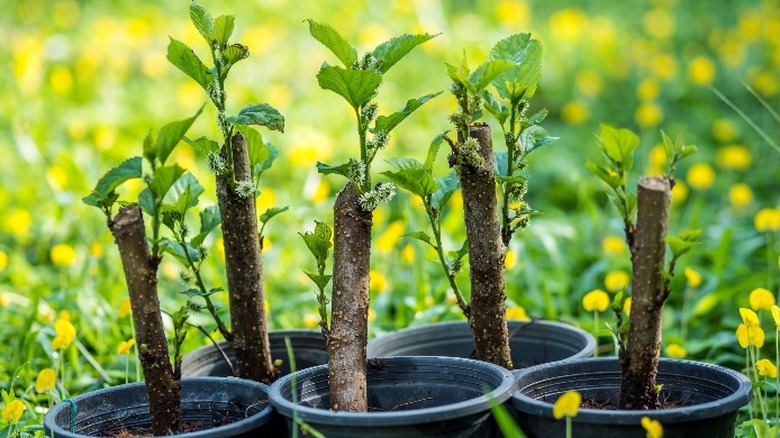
{"type": "Point", "coordinates": [244, 266]}
{"type": "Point", "coordinates": [349, 323]}
{"type": "Point", "coordinates": [639, 360]}
{"type": "Point", "coordinates": [140, 268]}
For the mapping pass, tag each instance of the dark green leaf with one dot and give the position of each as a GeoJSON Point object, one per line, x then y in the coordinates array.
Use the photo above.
{"type": "Point", "coordinates": [320, 280]}
{"type": "Point", "coordinates": [223, 28]}
{"type": "Point", "coordinates": [448, 185]}
{"type": "Point", "coordinates": [356, 86]}
{"type": "Point", "coordinates": [199, 293]}
{"type": "Point", "coordinates": [421, 236]}
{"type": "Point", "coordinates": [458, 255]}
{"type": "Point", "coordinates": [146, 201]}
{"type": "Point", "coordinates": [184, 194]}
{"type": "Point", "coordinates": [393, 50]}
{"type": "Point", "coordinates": [485, 73]}
{"type": "Point", "coordinates": [128, 170]}
{"type": "Point", "coordinates": [163, 179]}
{"type": "Point", "coordinates": [180, 55]}
{"type": "Point", "coordinates": [203, 144]}
{"type": "Point", "coordinates": [171, 134]}
{"type": "Point", "coordinates": [180, 251]}
{"type": "Point", "coordinates": [433, 150]}
{"type": "Point", "coordinates": [501, 163]}
{"type": "Point", "coordinates": [387, 123]}
{"type": "Point", "coordinates": [511, 180]}
{"type": "Point", "coordinates": [202, 20]}
{"type": "Point", "coordinates": [271, 212]}
{"type": "Point", "coordinates": [210, 219]}
{"type": "Point", "coordinates": [412, 176]}
{"type": "Point", "coordinates": [149, 150]}
{"type": "Point", "coordinates": [331, 39]}
{"type": "Point", "coordinates": [259, 114]}
{"type": "Point", "coordinates": [341, 169]}
{"type": "Point", "coordinates": [494, 107]}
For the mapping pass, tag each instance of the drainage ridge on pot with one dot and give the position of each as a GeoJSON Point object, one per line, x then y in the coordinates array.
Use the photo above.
{"type": "Point", "coordinates": [531, 342]}
{"type": "Point", "coordinates": [407, 397]}
{"type": "Point", "coordinates": [710, 396]}
{"type": "Point", "coordinates": [204, 400]}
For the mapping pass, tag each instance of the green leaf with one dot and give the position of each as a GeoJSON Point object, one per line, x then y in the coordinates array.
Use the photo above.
{"type": "Point", "coordinates": [261, 155]}
{"type": "Point", "coordinates": [236, 52]}
{"type": "Point", "coordinates": [687, 149]}
{"type": "Point", "coordinates": [356, 86]}
{"type": "Point", "coordinates": [147, 202]}
{"type": "Point", "coordinates": [683, 242]}
{"type": "Point", "coordinates": [433, 150]}
{"type": "Point", "coordinates": [320, 280]}
{"type": "Point", "coordinates": [129, 169]}
{"type": "Point", "coordinates": [459, 74]}
{"type": "Point", "coordinates": [341, 169]}
{"type": "Point", "coordinates": [202, 20]}
{"type": "Point", "coordinates": [199, 293]}
{"type": "Point", "coordinates": [458, 255]}
{"type": "Point", "coordinates": [501, 163]}
{"type": "Point", "coordinates": [180, 55]}
{"type": "Point", "coordinates": [520, 80]}
{"type": "Point", "coordinates": [534, 137]}
{"type": "Point", "coordinates": [270, 213]}
{"type": "Point", "coordinates": [485, 73]}
{"type": "Point", "coordinates": [387, 123]}
{"type": "Point", "coordinates": [318, 241]}
{"type": "Point", "coordinates": [421, 236]}
{"type": "Point", "coordinates": [538, 117]}
{"type": "Point", "coordinates": [223, 28]}
{"type": "Point", "coordinates": [669, 147]}
{"type": "Point", "coordinates": [448, 185]}
{"type": "Point", "coordinates": [184, 194]}
{"type": "Point", "coordinates": [618, 145]}
{"type": "Point", "coordinates": [333, 40]}
{"type": "Point", "coordinates": [179, 251]}
{"type": "Point", "coordinates": [412, 176]}
{"type": "Point", "coordinates": [170, 135]}
{"type": "Point", "coordinates": [494, 107]}
{"type": "Point", "coordinates": [393, 50]}
{"type": "Point", "coordinates": [163, 180]}
{"type": "Point", "coordinates": [149, 151]}
{"type": "Point", "coordinates": [210, 219]}
{"type": "Point", "coordinates": [203, 145]}
{"type": "Point", "coordinates": [605, 174]}
{"type": "Point", "coordinates": [259, 114]}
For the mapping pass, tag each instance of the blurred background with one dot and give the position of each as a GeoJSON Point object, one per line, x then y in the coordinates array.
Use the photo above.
{"type": "Point", "coordinates": [83, 81]}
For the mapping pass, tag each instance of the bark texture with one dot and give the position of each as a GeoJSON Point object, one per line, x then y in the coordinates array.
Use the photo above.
{"type": "Point", "coordinates": [140, 268]}
{"type": "Point", "coordinates": [349, 323]}
{"type": "Point", "coordinates": [244, 266]}
{"type": "Point", "coordinates": [639, 360]}
{"type": "Point", "coordinates": [487, 313]}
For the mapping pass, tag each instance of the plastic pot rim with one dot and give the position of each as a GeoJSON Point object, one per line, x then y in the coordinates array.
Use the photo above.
{"type": "Point", "coordinates": [449, 411]}
{"type": "Point", "coordinates": [738, 398]}
{"type": "Point", "coordinates": [236, 427]}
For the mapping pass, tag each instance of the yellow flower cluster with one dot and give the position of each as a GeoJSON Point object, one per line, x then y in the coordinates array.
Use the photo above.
{"type": "Point", "coordinates": [767, 219]}
{"type": "Point", "coordinates": [13, 411]}
{"type": "Point", "coordinates": [66, 333]}
{"type": "Point", "coordinates": [125, 346]}
{"type": "Point", "coordinates": [616, 280]}
{"type": "Point", "coordinates": [652, 427]}
{"type": "Point", "coordinates": [567, 405]}
{"type": "Point", "coordinates": [595, 301]}
{"type": "Point", "coordinates": [46, 380]}
{"type": "Point", "coordinates": [517, 313]}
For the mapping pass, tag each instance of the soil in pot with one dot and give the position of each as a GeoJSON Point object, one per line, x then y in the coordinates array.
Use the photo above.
{"type": "Point", "coordinates": [233, 407]}
{"type": "Point", "coordinates": [308, 349]}
{"type": "Point", "coordinates": [531, 342]}
{"type": "Point", "coordinates": [707, 399]}
{"type": "Point", "coordinates": [408, 397]}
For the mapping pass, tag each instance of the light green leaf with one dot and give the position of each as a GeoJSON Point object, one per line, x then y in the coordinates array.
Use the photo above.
{"type": "Point", "coordinates": [494, 107]}
{"type": "Point", "coordinates": [485, 73]}
{"type": "Point", "coordinates": [184, 194]}
{"type": "Point", "coordinates": [421, 236]}
{"type": "Point", "coordinates": [341, 169]}
{"type": "Point", "coordinates": [147, 202]}
{"type": "Point", "coordinates": [170, 135]}
{"type": "Point", "coordinates": [180, 55]}
{"type": "Point", "coordinates": [605, 174]}
{"type": "Point", "coordinates": [223, 28]}
{"type": "Point", "coordinates": [129, 169]}
{"type": "Point", "coordinates": [393, 50]}
{"type": "Point", "coordinates": [387, 123]}
{"type": "Point", "coordinates": [203, 144]}
{"type": "Point", "coordinates": [433, 150]}
{"type": "Point", "coordinates": [333, 40]}
{"type": "Point", "coordinates": [270, 213]}
{"type": "Point", "coordinates": [163, 180]}
{"type": "Point", "coordinates": [318, 241]}
{"type": "Point", "coordinates": [412, 176]}
{"type": "Point", "coordinates": [261, 155]}
{"type": "Point", "coordinates": [520, 80]}
{"type": "Point", "coordinates": [618, 145]}
{"type": "Point", "coordinates": [501, 163]}
{"type": "Point", "coordinates": [534, 137]}
{"type": "Point", "coordinates": [538, 117]}
{"type": "Point", "coordinates": [259, 114]}
{"type": "Point", "coordinates": [202, 20]}
{"type": "Point", "coordinates": [448, 185]}
{"type": "Point", "coordinates": [210, 218]}
{"type": "Point", "coordinates": [149, 151]}
{"type": "Point", "coordinates": [459, 74]}
{"type": "Point", "coordinates": [320, 280]}
{"type": "Point", "coordinates": [236, 52]}
{"type": "Point", "coordinates": [356, 86]}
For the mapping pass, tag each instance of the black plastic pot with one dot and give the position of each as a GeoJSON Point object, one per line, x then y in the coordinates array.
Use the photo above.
{"type": "Point", "coordinates": [710, 396]}
{"type": "Point", "coordinates": [308, 349]}
{"type": "Point", "coordinates": [531, 342]}
{"type": "Point", "coordinates": [207, 400]}
{"type": "Point", "coordinates": [407, 397]}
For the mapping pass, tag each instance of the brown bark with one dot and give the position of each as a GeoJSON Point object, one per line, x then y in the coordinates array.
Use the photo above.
{"type": "Point", "coordinates": [487, 313]}
{"type": "Point", "coordinates": [244, 266]}
{"type": "Point", "coordinates": [349, 324]}
{"type": "Point", "coordinates": [639, 360]}
{"type": "Point", "coordinates": [140, 268]}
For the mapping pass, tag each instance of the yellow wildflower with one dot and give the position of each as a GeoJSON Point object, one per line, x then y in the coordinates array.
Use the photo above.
{"type": "Point", "coordinates": [749, 317]}
{"type": "Point", "coordinates": [589, 83]}
{"type": "Point", "coordinates": [125, 309]}
{"type": "Point", "coordinates": [310, 320]}
{"type": "Point", "coordinates": [517, 312]}
{"type": "Point", "coordinates": [125, 346]}
{"type": "Point", "coordinates": [62, 254]}
{"type": "Point", "coordinates": [65, 334]}
{"type": "Point", "coordinates": [776, 315]}
{"type": "Point", "coordinates": [13, 411]}
{"type": "Point", "coordinates": [701, 70]}
{"type": "Point", "coordinates": [390, 238]}
{"type": "Point", "coordinates": [510, 260]}
{"type": "Point", "coordinates": [766, 368]}
{"type": "Point", "coordinates": [724, 130]}
{"type": "Point", "coordinates": [613, 245]}
{"type": "Point", "coordinates": [659, 23]}
{"type": "Point", "coordinates": [627, 306]}
{"type": "Point", "coordinates": [46, 380]}
{"type": "Point", "coordinates": [377, 282]}
{"type": "Point", "coordinates": [747, 336]}
{"type": "Point", "coordinates": [4, 300]}
{"type": "Point", "coordinates": [701, 176]}
{"type": "Point", "coordinates": [96, 250]}
{"type": "Point", "coordinates": [648, 89]}
{"type": "Point", "coordinates": [266, 200]}
{"type": "Point", "coordinates": [734, 157]}
{"type": "Point", "coordinates": [761, 298]}
{"type": "Point", "coordinates": [407, 254]}
{"type": "Point", "coordinates": [567, 405]}
{"type": "Point", "coordinates": [648, 114]}
{"type": "Point", "coordinates": [740, 195]}
{"type": "Point", "coordinates": [693, 277]}
{"type": "Point", "coordinates": [767, 219]}
{"type": "Point", "coordinates": [3, 260]}
{"type": "Point", "coordinates": [676, 350]}
{"type": "Point", "coordinates": [575, 112]}
{"type": "Point", "coordinates": [595, 300]}
{"type": "Point", "coordinates": [679, 192]}
{"type": "Point", "coordinates": [18, 223]}
{"type": "Point", "coordinates": [652, 427]}
{"type": "Point", "coordinates": [512, 13]}
{"type": "Point", "coordinates": [616, 280]}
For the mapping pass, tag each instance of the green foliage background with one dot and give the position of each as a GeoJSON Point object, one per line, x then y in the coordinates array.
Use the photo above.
{"type": "Point", "coordinates": [82, 82]}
